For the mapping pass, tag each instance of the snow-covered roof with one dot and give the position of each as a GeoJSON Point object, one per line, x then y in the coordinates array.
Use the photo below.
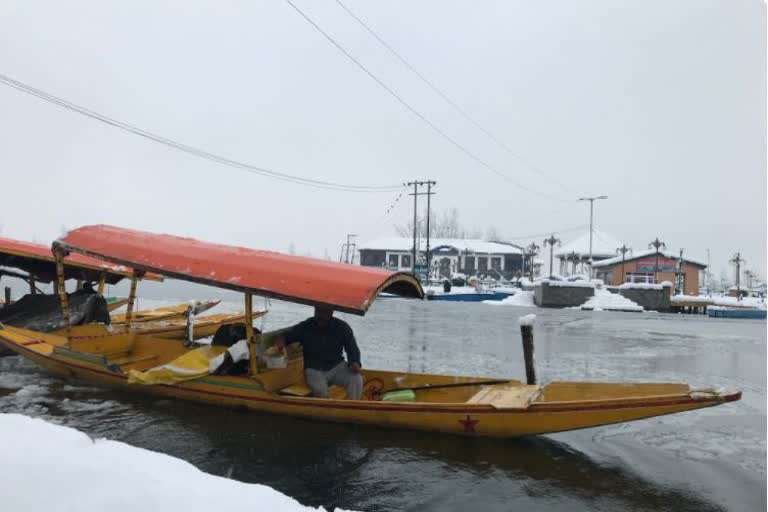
{"type": "Point", "coordinates": [644, 254]}
{"type": "Point", "coordinates": [603, 245]}
{"type": "Point", "coordinates": [470, 245]}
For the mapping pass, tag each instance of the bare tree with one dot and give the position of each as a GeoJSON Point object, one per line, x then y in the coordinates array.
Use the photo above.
{"type": "Point", "coordinates": [492, 234]}
{"type": "Point", "coordinates": [443, 225]}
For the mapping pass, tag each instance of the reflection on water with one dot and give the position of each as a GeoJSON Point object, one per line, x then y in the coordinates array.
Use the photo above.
{"type": "Point", "coordinates": [712, 459]}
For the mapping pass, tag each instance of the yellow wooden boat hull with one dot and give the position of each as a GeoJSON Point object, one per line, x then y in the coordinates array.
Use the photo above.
{"type": "Point", "coordinates": [553, 407]}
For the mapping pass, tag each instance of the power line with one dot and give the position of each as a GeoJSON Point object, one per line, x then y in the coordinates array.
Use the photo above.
{"type": "Point", "coordinates": [415, 112]}
{"type": "Point", "coordinates": [526, 163]}
{"type": "Point", "coordinates": [28, 89]}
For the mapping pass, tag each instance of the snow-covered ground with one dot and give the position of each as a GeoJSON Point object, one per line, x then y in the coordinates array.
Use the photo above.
{"type": "Point", "coordinates": [51, 467]}
{"type": "Point", "coordinates": [603, 300]}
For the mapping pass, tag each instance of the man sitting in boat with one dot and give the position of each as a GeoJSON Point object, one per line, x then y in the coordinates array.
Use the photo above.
{"type": "Point", "coordinates": [323, 337]}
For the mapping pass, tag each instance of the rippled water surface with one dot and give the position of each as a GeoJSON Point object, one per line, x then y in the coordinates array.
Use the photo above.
{"type": "Point", "coordinates": [711, 459]}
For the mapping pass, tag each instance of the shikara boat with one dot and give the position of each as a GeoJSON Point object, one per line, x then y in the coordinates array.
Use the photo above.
{"type": "Point", "coordinates": [165, 312]}
{"type": "Point", "coordinates": [472, 406]}
{"type": "Point", "coordinates": [38, 265]}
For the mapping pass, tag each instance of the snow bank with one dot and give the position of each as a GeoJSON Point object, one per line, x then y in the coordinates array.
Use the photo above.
{"type": "Point", "coordinates": [521, 298]}
{"type": "Point", "coordinates": [569, 284]}
{"type": "Point", "coordinates": [50, 467]}
{"type": "Point", "coordinates": [603, 300]}
{"type": "Point", "coordinates": [641, 286]}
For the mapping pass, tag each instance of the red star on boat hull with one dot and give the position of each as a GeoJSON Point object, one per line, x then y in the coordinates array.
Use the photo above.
{"type": "Point", "coordinates": [469, 424]}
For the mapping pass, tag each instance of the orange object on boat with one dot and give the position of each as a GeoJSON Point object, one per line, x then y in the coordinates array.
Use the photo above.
{"type": "Point", "coordinates": [38, 261]}
{"type": "Point", "coordinates": [311, 281]}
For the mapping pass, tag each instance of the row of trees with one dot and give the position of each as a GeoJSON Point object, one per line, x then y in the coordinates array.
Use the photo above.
{"type": "Point", "coordinates": [446, 224]}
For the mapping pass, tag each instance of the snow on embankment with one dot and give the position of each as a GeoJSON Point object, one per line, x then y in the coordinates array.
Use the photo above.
{"type": "Point", "coordinates": [50, 467]}
{"type": "Point", "coordinates": [521, 298]}
{"type": "Point", "coordinates": [603, 300]}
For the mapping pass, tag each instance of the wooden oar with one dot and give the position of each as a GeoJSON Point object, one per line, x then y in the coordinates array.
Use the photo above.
{"type": "Point", "coordinates": [450, 385]}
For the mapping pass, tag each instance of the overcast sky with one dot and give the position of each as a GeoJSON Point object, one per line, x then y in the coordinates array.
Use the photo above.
{"type": "Point", "coordinates": [658, 104]}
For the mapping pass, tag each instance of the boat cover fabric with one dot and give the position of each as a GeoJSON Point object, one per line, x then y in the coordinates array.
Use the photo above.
{"type": "Point", "coordinates": [191, 365]}
{"type": "Point", "coordinates": [38, 261]}
{"type": "Point", "coordinates": [43, 313]}
{"type": "Point", "coordinates": [350, 288]}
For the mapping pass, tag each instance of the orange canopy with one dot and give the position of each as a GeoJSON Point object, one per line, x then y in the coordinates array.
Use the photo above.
{"type": "Point", "coordinates": [349, 288]}
{"type": "Point", "coordinates": [38, 261]}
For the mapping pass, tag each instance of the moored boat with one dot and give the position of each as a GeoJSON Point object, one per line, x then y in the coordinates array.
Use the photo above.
{"type": "Point", "coordinates": [479, 406]}
{"type": "Point", "coordinates": [166, 312]}
{"type": "Point", "coordinates": [732, 312]}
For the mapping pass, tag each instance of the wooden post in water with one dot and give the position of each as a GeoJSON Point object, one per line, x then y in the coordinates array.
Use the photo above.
{"type": "Point", "coordinates": [131, 300]}
{"type": "Point", "coordinates": [526, 330]}
{"type": "Point", "coordinates": [253, 363]}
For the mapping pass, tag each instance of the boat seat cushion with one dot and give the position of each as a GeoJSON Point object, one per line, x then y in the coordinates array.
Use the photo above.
{"type": "Point", "coordinates": [506, 396]}
{"type": "Point", "coordinates": [276, 379]}
{"type": "Point", "coordinates": [301, 389]}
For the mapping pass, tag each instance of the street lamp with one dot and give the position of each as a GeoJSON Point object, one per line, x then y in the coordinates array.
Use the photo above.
{"type": "Point", "coordinates": [551, 241]}
{"type": "Point", "coordinates": [623, 250]}
{"type": "Point", "coordinates": [531, 251]}
{"type": "Point", "coordinates": [657, 244]}
{"type": "Point", "coordinates": [591, 217]}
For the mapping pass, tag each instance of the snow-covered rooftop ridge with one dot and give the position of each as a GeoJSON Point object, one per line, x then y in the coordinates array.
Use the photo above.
{"type": "Point", "coordinates": [90, 476]}
{"type": "Point", "coordinates": [646, 253]}
{"type": "Point", "coordinates": [469, 245]}
{"type": "Point", "coordinates": [603, 245]}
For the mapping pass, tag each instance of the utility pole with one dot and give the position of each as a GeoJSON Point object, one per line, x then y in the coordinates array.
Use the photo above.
{"type": "Point", "coordinates": [623, 250]}
{"type": "Point", "coordinates": [591, 228]}
{"type": "Point", "coordinates": [708, 275]}
{"type": "Point", "coordinates": [657, 244]}
{"type": "Point", "coordinates": [429, 212]}
{"type": "Point", "coordinates": [347, 250]}
{"type": "Point", "coordinates": [416, 194]}
{"type": "Point", "coordinates": [350, 249]}
{"type": "Point", "coordinates": [415, 227]}
{"type": "Point", "coordinates": [680, 290]}
{"type": "Point", "coordinates": [738, 260]}
{"type": "Point", "coordinates": [552, 241]}
{"type": "Point", "coordinates": [531, 251]}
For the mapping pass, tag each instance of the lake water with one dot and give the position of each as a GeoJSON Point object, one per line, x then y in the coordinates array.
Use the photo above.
{"type": "Point", "coordinates": [711, 459]}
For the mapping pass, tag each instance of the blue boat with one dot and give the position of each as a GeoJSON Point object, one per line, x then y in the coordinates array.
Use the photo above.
{"type": "Point", "coordinates": [469, 297]}
{"type": "Point", "coordinates": [719, 312]}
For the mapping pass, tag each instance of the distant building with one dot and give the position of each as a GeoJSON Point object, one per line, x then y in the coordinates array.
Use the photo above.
{"type": "Point", "coordinates": [470, 257]}
{"type": "Point", "coordinates": [641, 267]}
{"type": "Point", "coordinates": [574, 256]}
